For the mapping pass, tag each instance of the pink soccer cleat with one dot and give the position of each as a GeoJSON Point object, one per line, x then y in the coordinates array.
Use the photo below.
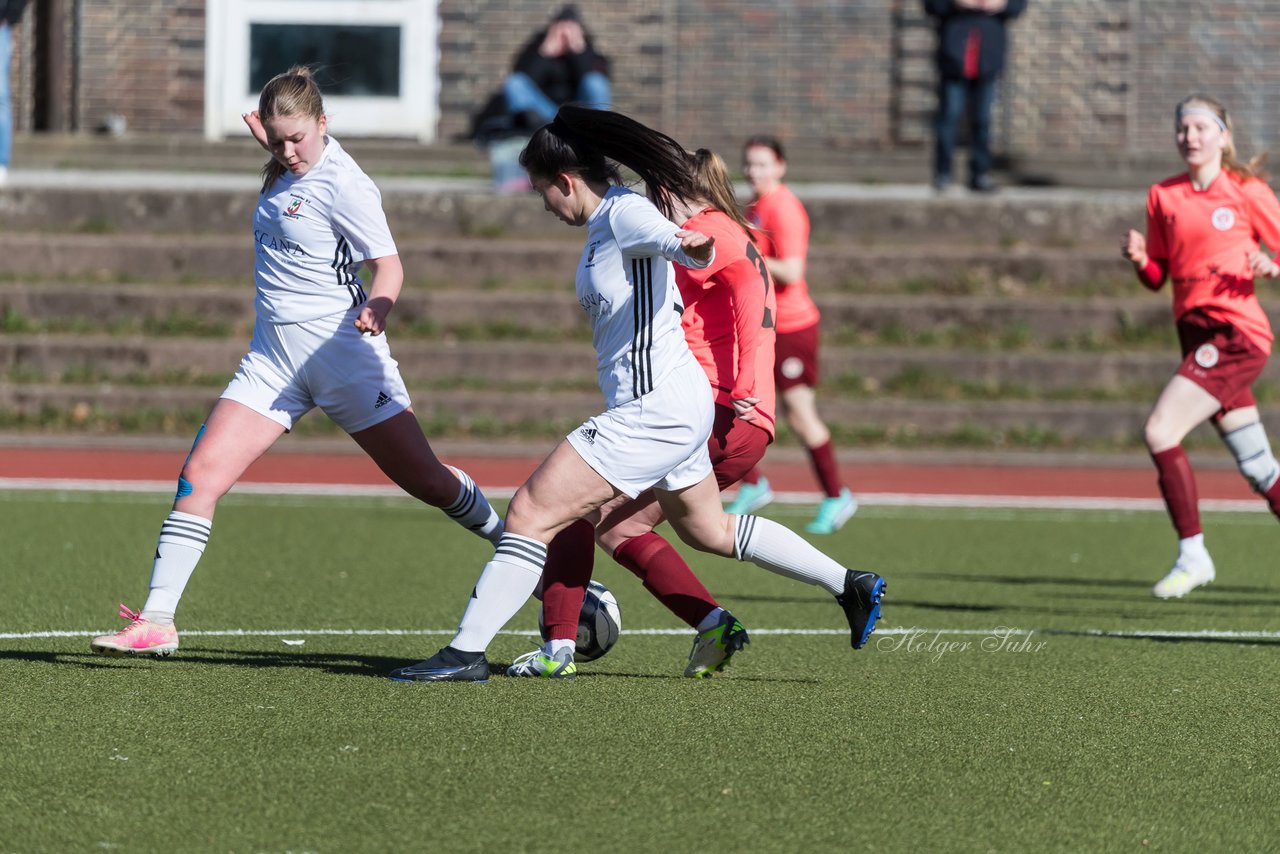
{"type": "Point", "coordinates": [140, 637]}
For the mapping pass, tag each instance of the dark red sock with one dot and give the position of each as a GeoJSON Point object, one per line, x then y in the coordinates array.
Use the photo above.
{"type": "Point", "coordinates": [1178, 486]}
{"type": "Point", "coordinates": [824, 466]}
{"type": "Point", "coordinates": [665, 574]}
{"type": "Point", "coordinates": [570, 561]}
{"type": "Point", "coordinates": [1273, 498]}
{"type": "Point", "coordinates": [752, 477]}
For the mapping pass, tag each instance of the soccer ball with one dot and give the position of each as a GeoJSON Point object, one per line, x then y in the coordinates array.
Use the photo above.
{"type": "Point", "coordinates": [599, 623]}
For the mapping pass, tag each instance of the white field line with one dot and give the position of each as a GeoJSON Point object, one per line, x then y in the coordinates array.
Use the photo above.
{"type": "Point", "coordinates": [871, 499]}
{"type": "Point", "coordinates": [914, 631]}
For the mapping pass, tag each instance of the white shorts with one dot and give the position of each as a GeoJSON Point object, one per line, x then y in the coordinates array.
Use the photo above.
{"type": "Point", "coordinates": [292, 367]}
{"type": "Point", "coordinates": [655, 441]}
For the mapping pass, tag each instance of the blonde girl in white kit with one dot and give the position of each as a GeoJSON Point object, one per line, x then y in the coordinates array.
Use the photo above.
{"type": "Point", "coordinates": [317, 342]}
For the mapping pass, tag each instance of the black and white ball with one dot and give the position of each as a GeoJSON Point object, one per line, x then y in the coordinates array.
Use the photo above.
{"type": "Point", "coordinates": [599, 623]}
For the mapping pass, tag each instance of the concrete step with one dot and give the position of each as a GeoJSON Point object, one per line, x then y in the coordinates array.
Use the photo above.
{"type": "Point", "coordinates": [531, 263]}
{"type": "Point", "coordinates": [1047, 423]}
{"type": "Point", "coordinates": [1030, 322]}
{"type": "Point", "coordinates": [163, 203]}
{"type": "Point", "coordinates": [236, 156]}
{"type": "Point", "coordinates": [807, 161]}
{"type": "Point", "coordinates": [848, 371]}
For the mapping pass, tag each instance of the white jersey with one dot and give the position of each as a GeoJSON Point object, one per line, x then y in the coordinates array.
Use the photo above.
{"type": "Point", "coordinates": [311, 233]}
{"type": "Point", "coordinates": [627, 287]}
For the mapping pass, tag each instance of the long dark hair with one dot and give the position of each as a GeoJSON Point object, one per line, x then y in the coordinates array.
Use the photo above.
{"type": "Point", "coordinates": [592, 143]}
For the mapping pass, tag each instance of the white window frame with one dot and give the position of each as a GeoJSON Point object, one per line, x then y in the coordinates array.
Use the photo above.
{"type": "Point", "coordinates": [414, 113]}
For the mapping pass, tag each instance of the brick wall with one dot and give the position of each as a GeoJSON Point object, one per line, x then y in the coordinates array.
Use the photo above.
{"type": "Point", "coordinates": [143, 59]}
{"type": "Point", "coordinates": [1087, 78]}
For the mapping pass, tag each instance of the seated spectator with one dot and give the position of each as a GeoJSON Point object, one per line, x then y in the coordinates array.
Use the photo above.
{"type": "Point", "coordinates": [557, 66]}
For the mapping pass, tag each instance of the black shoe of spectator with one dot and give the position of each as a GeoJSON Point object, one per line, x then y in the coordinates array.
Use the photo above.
{"type": "Point", "coordinates": [982, 184]}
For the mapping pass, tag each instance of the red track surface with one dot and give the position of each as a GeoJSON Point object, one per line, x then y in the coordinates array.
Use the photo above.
{"type": "Point", "coordinates": [498, 472]}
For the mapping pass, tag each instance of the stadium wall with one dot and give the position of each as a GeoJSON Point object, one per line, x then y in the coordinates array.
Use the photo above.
{"type": "Point", "coordinates": [1087, 78]}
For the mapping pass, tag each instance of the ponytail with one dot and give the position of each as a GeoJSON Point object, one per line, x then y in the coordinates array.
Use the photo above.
{"type": "Point", "coordinates": [715, 188]}
{"type": "Point", "coordinates": [589, 143]}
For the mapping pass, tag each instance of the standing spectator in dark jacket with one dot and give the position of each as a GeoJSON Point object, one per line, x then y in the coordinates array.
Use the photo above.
{"type": "Point", "coordinates": [971, 52]}
{"type": "Point", "coordinates": [10, 12]}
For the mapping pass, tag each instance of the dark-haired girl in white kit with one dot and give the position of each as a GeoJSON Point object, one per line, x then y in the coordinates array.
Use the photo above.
{"type": "Point", "coordinates": [660, 409]}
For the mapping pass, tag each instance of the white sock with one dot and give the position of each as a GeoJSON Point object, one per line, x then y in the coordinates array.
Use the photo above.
{"type": "Point", "coordinates": [1193, 547]}
{"type": "Point", "coordinates": [505, 585]}
{"type": "Point", "coordinates": [471, 509]}
{"type": "Point", "coordinates": [553, 646]}
{"type": "Point", "coordinates": [181, 544]}
{"type": "Point", "coordinates": [710, 621]}
{"type": "Point", "coordinates": [778, 549]}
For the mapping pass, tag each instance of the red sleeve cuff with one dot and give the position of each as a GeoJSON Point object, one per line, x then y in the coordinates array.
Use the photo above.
{"type": "Point", "coordinates": [1152, 274]}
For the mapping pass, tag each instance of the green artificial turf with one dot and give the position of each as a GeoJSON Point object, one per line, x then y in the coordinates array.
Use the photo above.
{"type": "Point", "coordinates": [928, 739]}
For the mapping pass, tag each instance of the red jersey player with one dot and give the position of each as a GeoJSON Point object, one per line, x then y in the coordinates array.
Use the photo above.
{"type": "Point", "coordinates": [782, 231]}
{"type": "Point", "coordinates": [1203, 232]}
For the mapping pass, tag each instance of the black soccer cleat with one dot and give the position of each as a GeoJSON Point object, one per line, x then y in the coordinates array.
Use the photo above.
{"type": "Point", "coordinates": [863, 592]}
{"type": "Point", "coordinates": [447, 665]}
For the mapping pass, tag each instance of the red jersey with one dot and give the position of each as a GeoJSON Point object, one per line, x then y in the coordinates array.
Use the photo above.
{"type": "Point", "coordinates": [1200, 240]}
{"type": "Point", "coordinates": [782, 231]}
{"type": "Point", "coordinates": [728, 316]}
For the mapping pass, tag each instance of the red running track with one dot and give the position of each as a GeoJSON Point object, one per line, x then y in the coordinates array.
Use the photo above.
{"type": "Point", "coordinates": [496, 472]}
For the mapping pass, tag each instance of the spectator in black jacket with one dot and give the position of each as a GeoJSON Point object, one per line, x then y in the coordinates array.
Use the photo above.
{"type": "Point", "coordinates": [10, 12]}
{"type": "Point", "coordinates": [557, 66]}
{"type": "Point", "coordinates": [971, 53]}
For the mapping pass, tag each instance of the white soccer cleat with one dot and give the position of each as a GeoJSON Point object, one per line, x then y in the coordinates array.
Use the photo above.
{"type": "Point", "coordinates": [1187, 574]}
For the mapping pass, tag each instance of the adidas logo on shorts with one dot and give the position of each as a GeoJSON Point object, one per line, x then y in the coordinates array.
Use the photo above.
{"type": "Point", "coordinates": [589, 433]}
{"type": "Point", "coordinates": [383, 398]}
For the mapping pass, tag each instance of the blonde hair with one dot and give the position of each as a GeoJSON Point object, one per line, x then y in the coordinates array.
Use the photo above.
{"type": "Point", "coordinates": [711, 177]}
{"type": "Point", "coordinates": [294, 94]}
{"type": "Point", "coordinates": [1230, 161]}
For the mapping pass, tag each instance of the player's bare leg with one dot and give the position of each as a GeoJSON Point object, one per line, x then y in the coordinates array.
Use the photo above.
{"type": "Point", "coordinates": [402, 451]}
{"type": "Point", "coordinates": [234, 436]}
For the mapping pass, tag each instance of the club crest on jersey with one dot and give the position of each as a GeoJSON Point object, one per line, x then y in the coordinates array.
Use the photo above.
{"type": "Point", "coordinates": [1206, 355]}
{"type": "Point", "coordinates": [591, 253]}
{"type": "Point", "coordinates": [292, 211]}
{"type": "Point", "coordinates": [1223, 219]}
{"type": "Point", "coordinates": [792, 367]}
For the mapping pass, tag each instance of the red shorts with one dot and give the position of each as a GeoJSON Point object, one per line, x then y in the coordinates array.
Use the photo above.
{"type": "Point", "coordinates": [735, 446]}
{"type": "Point", "coordinates": [1220, 359]}
{"type": "Point", "coordinates": [796, 358]}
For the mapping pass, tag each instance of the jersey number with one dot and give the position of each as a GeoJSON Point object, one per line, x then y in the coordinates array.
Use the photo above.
{"type": "Point", "coordinates": [754, 256]}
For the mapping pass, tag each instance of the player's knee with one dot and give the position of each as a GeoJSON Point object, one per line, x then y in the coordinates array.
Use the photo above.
{"type": "Point", "coordinates": [527, 518]}
{"type": "Point", "coordinates": [197, 480]}
{"type": "Point", "coordinates": [203, 477]}
{"type": "Point", "coordinates": [1157, 435]}
{"type": "Point", "coordinates": [609, 540]}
